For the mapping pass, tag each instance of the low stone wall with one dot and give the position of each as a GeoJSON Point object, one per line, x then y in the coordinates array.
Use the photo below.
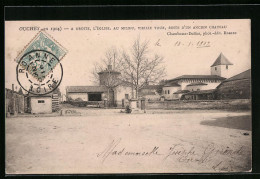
{"type": "Point", "coordinates": [87, 103]}
{"type": "Point", "coordinates": [237, 104]}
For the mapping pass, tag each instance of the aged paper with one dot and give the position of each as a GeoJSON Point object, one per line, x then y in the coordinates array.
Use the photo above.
{"type": "Point", "coordinates": [133, 96]}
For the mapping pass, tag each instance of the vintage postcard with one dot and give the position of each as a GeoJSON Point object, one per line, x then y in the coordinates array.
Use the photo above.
{"type": "Point", "coordinates": [132, 96]}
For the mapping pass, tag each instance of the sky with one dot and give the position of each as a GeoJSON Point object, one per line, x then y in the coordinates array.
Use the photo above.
{"type": "Point", "coordinates": [85, 47]}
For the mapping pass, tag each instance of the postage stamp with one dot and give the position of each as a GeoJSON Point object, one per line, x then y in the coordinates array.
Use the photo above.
{"type": "Point", "coordinates": [32, 69]}
{"type": "Point", "coordinates": [36, 69]}
{"type": "Point", "coordinates": [42, 41]}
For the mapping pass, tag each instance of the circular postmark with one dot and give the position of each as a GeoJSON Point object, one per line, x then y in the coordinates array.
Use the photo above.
{"type": "Point", "coordinates": [39, 72]}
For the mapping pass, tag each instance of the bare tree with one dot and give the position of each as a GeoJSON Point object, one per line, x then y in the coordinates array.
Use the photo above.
{"type": "Point", "coordinates": [140, 68]}
{"type": "Point", "coordinates": [109, 66]}
{"type": "Point", "coordinates": [111, 58]}
{"type": "Point", "coordinates": [137, 67]}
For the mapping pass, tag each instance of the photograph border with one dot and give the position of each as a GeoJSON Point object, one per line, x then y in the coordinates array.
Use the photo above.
{"type": "Point", "coordinates": [153, 12]}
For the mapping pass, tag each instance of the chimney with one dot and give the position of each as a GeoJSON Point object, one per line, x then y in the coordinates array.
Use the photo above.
{"type": "Point", "coordinates": [12, 87]}
{"type": "Point", "coordinates": [109, 67]}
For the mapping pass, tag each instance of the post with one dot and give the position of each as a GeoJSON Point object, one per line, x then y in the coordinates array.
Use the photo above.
{"type": "Point", "coordinates": [13, 101]}
{"type": "Point", "coordinates": [105, 102]}
{"type": "Point", "coordinates": [133, 103]}
{"type": "Point", "coordinates": [143, 104]}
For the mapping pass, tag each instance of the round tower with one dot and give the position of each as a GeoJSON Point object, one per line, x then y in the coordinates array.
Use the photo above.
{"type": "Point", "coordinates": [108, 76]}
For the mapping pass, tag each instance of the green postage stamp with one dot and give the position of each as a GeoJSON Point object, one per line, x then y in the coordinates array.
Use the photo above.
{"type": "Point", "coordinates": [41, 68]}
{"type": "Point", "coordinates": [37, 71]}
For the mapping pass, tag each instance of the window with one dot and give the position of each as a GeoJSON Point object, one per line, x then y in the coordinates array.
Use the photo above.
{"type": "Point", "coordinates": [215, 68]}
{"type": "Point", "coordinates": [226, 66]}
{"type": "Point", "coordinates": [168, 91]}
{"type": "Point", "coordinates": [198, 89]}
{"type": "Point", "coordinates": [126, 96]}
{"type": "Point", "coordinates": [41, 101]}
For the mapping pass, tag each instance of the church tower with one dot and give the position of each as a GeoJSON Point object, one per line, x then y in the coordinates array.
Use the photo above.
{"type": "Point", "coordinates": [221, 66]}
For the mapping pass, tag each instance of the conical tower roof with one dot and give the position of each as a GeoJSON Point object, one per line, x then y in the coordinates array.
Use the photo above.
{"type": "Point", "coordinates": [221, 60]}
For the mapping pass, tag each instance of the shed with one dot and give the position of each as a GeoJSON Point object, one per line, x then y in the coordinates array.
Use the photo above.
{"type": "Point", "coordinates": [87, 93]}
{"type": "Point", "coordinates": [40, 104]}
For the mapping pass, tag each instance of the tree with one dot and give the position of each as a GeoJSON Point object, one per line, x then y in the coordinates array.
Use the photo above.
{"type": "Point", "coordinates": [108, 69]}
{"type": "Point", "coordinates": [160, 86]}
{"type": "Point", "coordinates": [139, 67]}
{"type": "Point", "coordinates": [111, 58]}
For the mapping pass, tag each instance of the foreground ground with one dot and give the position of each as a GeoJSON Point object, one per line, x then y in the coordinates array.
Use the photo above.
{"type": "Point", "coordinates": [106, 141]}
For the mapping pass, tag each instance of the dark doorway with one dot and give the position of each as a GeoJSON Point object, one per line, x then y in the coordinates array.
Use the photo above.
{"type": "Point", "coordinates": [94, 97]}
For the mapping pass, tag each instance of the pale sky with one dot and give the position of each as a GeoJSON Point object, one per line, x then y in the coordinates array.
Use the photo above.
{"type": "Point", "coordinates": [87, 47]}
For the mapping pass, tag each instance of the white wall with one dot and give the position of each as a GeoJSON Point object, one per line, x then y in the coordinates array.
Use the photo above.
{"type": "Point", "coordinates": [45, 107]}
{"type": "Point", "coordinates": [226, 72]}
{"type": "Point", "coordinates": [184, 84]}
{"type": "Point", "coordinates": [83, 96]}
{"type": "Point", "coordinates": [210, 85]}
{"type": "Point", "coordinates": [172, 89]}
{"type": "Point", "coordinates": [216, 70]}
{"type": "Point", "coordinates": [221, 71]}
{"type": "Point", "coordinates": [121, 91]}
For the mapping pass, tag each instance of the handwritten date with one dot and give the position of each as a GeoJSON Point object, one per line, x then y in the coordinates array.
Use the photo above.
{"type": "Point", "coordinates": [198, 44]}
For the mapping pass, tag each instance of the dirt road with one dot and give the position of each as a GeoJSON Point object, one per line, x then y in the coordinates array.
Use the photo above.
{"type": "Point", "coordinates": [174, 142]}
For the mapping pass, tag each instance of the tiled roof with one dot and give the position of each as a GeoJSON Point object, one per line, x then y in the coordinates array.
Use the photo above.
{"type": "Point", "coordinates": [171, 84]}
{"type": "Point", "coordinates": [221, 60]}
{"type": "Point", "coordinates": [197, 84]}
{"type": "Point", "coordinates": [181, 91]}
{"type": "Point", "coordinates": [213, 77]}
{"type": "Point", "coordinates": [86, 89]}
{"type": "Point", "coordinates": [244, 75]}
{"type": "Point", "coordinates": [152, 86]}
{"type": "Point", "coordinates": [201, 92]}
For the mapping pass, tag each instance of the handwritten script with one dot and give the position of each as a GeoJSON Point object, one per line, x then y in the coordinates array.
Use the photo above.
{"type": "Point", "coordinates": [211, 154]}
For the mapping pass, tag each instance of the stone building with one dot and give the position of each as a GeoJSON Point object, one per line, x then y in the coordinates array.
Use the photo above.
{"type": "Point", "coordinates": [40, 104]}
{"type": "Point", "coordinates": [176, 87]}
{"type": "Point", "coordinates": [111, 90]}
